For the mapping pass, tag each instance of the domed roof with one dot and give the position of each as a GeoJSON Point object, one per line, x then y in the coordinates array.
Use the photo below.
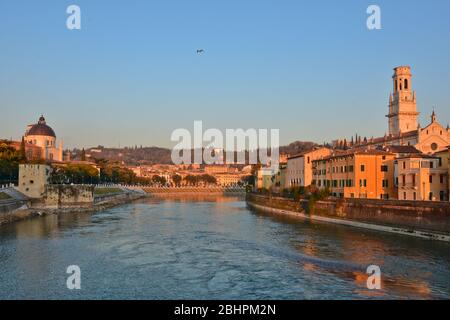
{"type": "Point", "coordinates": [41, 129]}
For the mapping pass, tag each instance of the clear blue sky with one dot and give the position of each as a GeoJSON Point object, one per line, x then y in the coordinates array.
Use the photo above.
{"type": "Point", "coordinates": [132, 75]}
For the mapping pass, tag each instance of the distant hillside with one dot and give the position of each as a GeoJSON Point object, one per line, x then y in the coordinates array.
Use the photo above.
{"type": "Point", "coordinates": [130, 156]}
{"type": "Point", "coordinates": [297, 147]}
{"type": "Point", "coordinates": [153, 155]}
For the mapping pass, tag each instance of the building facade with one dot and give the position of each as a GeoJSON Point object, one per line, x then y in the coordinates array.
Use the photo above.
{"type": "Point", "coordinates": [402, 103]}
{"type": "Point", "coordinates": [423, 178]}
{"type": "Point", "coordinates": [41, 136]}
{"type": "Point", "coordinates": [366, 174]}
{"type": "Point", "coordinates": [299, 167]}
{"type": "Point", "coordinates": [265, 178]}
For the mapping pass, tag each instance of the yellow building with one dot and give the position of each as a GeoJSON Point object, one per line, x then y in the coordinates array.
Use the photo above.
{"type": "Point", "coordinates": [357, 174]}
{"type": "Point", "coordinates": [423, 177]}
{"type": "Point", "coordinates": [229, 179]}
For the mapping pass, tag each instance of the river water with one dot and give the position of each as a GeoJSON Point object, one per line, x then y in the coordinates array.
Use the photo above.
{"type": "Point", "coordinates": [212, 248]}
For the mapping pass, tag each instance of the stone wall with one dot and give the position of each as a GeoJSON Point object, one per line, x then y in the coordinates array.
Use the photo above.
{"type": "Point", "coordinates": [13, 211]}
{"type": "Point", "coordinates": [64, 196]}
{"type": "Point", "coordinates": [410, 215]}
{"type": "Point", "coordinates": [415, 215]}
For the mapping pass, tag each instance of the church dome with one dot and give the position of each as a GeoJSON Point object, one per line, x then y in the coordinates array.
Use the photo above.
{"type": "Point", "coordinates": [41, 129]}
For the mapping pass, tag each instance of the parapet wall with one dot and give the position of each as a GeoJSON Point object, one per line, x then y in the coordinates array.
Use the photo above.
{"type": "Point", "coordinates": [410, 215]}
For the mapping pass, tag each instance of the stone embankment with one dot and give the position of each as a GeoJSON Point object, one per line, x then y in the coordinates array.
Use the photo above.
{"type": "Point", "coordinates": [64, 199]}
{"type": "Point", "coordinates": [428, 220]}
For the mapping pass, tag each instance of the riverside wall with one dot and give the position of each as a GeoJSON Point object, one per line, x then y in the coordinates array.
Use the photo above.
{"type": "Point", "coordinates": [60, 199]}
{"type": "Point", "coordinates": [417, 218]}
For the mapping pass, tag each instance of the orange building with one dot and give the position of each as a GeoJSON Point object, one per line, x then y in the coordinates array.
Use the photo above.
{"type": "Point", "coordinates": [357, 174]}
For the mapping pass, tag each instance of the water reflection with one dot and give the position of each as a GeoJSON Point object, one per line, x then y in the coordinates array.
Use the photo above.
{"type": "Point", "coordinates": [212, 248]}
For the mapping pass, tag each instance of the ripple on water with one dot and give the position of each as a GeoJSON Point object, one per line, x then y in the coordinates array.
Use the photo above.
{"type": "Point", "coordinates": [189, 250]}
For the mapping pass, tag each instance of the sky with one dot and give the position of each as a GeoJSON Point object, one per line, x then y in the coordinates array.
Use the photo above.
{"type": "Point", "coordinates": [132, 75]}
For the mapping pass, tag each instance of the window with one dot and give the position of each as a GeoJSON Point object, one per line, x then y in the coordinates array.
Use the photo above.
{"type": "Point", "coordinates": [404, 164]}
{"type": "Point", "coordinates": [404, 195]}
{"type": "Point", "coordinates": [441, 178]}
{"type": "Point", "coordinates": [431, 179]}
{"type": "Point", "coordinates": [430, 197]}
{"type": "Point", "coordinates": [434, 146]}
{"type": "Point", "coordinates": [384, 168]}
{"type": "Point", "coordinates": [350, 168]}
{"type": "Point", "coordinates": [363, 168]}
{"type": "Point", "coordinates": [406, 84]}
{"type": "Point", "coordinates": [431, 164]}
{"type": "Point", "coordinates": [386, 183]}
{"type": "Point", "coordinates": [415, 196]}
{"type": "Point", "coordinates": [440, 162]}
{"type": "Point", "coordinates": [442, 195]}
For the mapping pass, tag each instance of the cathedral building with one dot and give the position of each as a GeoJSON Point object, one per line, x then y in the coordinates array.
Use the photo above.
{"type": "Point", "coordinates": [42, 137]}
{"type": "Point", "coordinates": [403, 125]}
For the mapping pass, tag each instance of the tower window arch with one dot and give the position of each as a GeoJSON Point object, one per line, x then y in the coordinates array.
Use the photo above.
{"type": "Point", "coordinates": [406, 84]}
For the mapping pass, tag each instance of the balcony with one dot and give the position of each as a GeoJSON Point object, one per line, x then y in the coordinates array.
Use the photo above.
{"type": "Point", "coordinates": [408, 186]}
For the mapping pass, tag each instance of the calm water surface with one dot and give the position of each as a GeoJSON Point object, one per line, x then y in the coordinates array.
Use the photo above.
{"type": "Point", "coordinates": [212, 249]}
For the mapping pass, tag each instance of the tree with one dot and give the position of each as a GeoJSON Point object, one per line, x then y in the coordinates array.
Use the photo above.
{"type": "Point", "coordinates": [83, 155]}
{"type": "Point", "coordinates": [207, 179]}
{"type": "Point", "coordinates": [22, 152]}
{"type": "Point", "coordinates": [10, 158]}
{"type": "Point", "coordinates": [177, 179]}
{"type": "Point", "coordinates": [191, 180]}
{"type": "Point", "coordinates": [159, 180]}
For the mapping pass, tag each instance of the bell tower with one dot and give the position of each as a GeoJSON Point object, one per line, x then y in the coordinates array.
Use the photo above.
{"type": "Point", "coordinates": [402, 103]}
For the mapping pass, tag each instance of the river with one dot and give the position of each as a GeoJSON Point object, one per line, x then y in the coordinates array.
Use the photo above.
{"type": "Point", "coordinates": [212, 248]}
